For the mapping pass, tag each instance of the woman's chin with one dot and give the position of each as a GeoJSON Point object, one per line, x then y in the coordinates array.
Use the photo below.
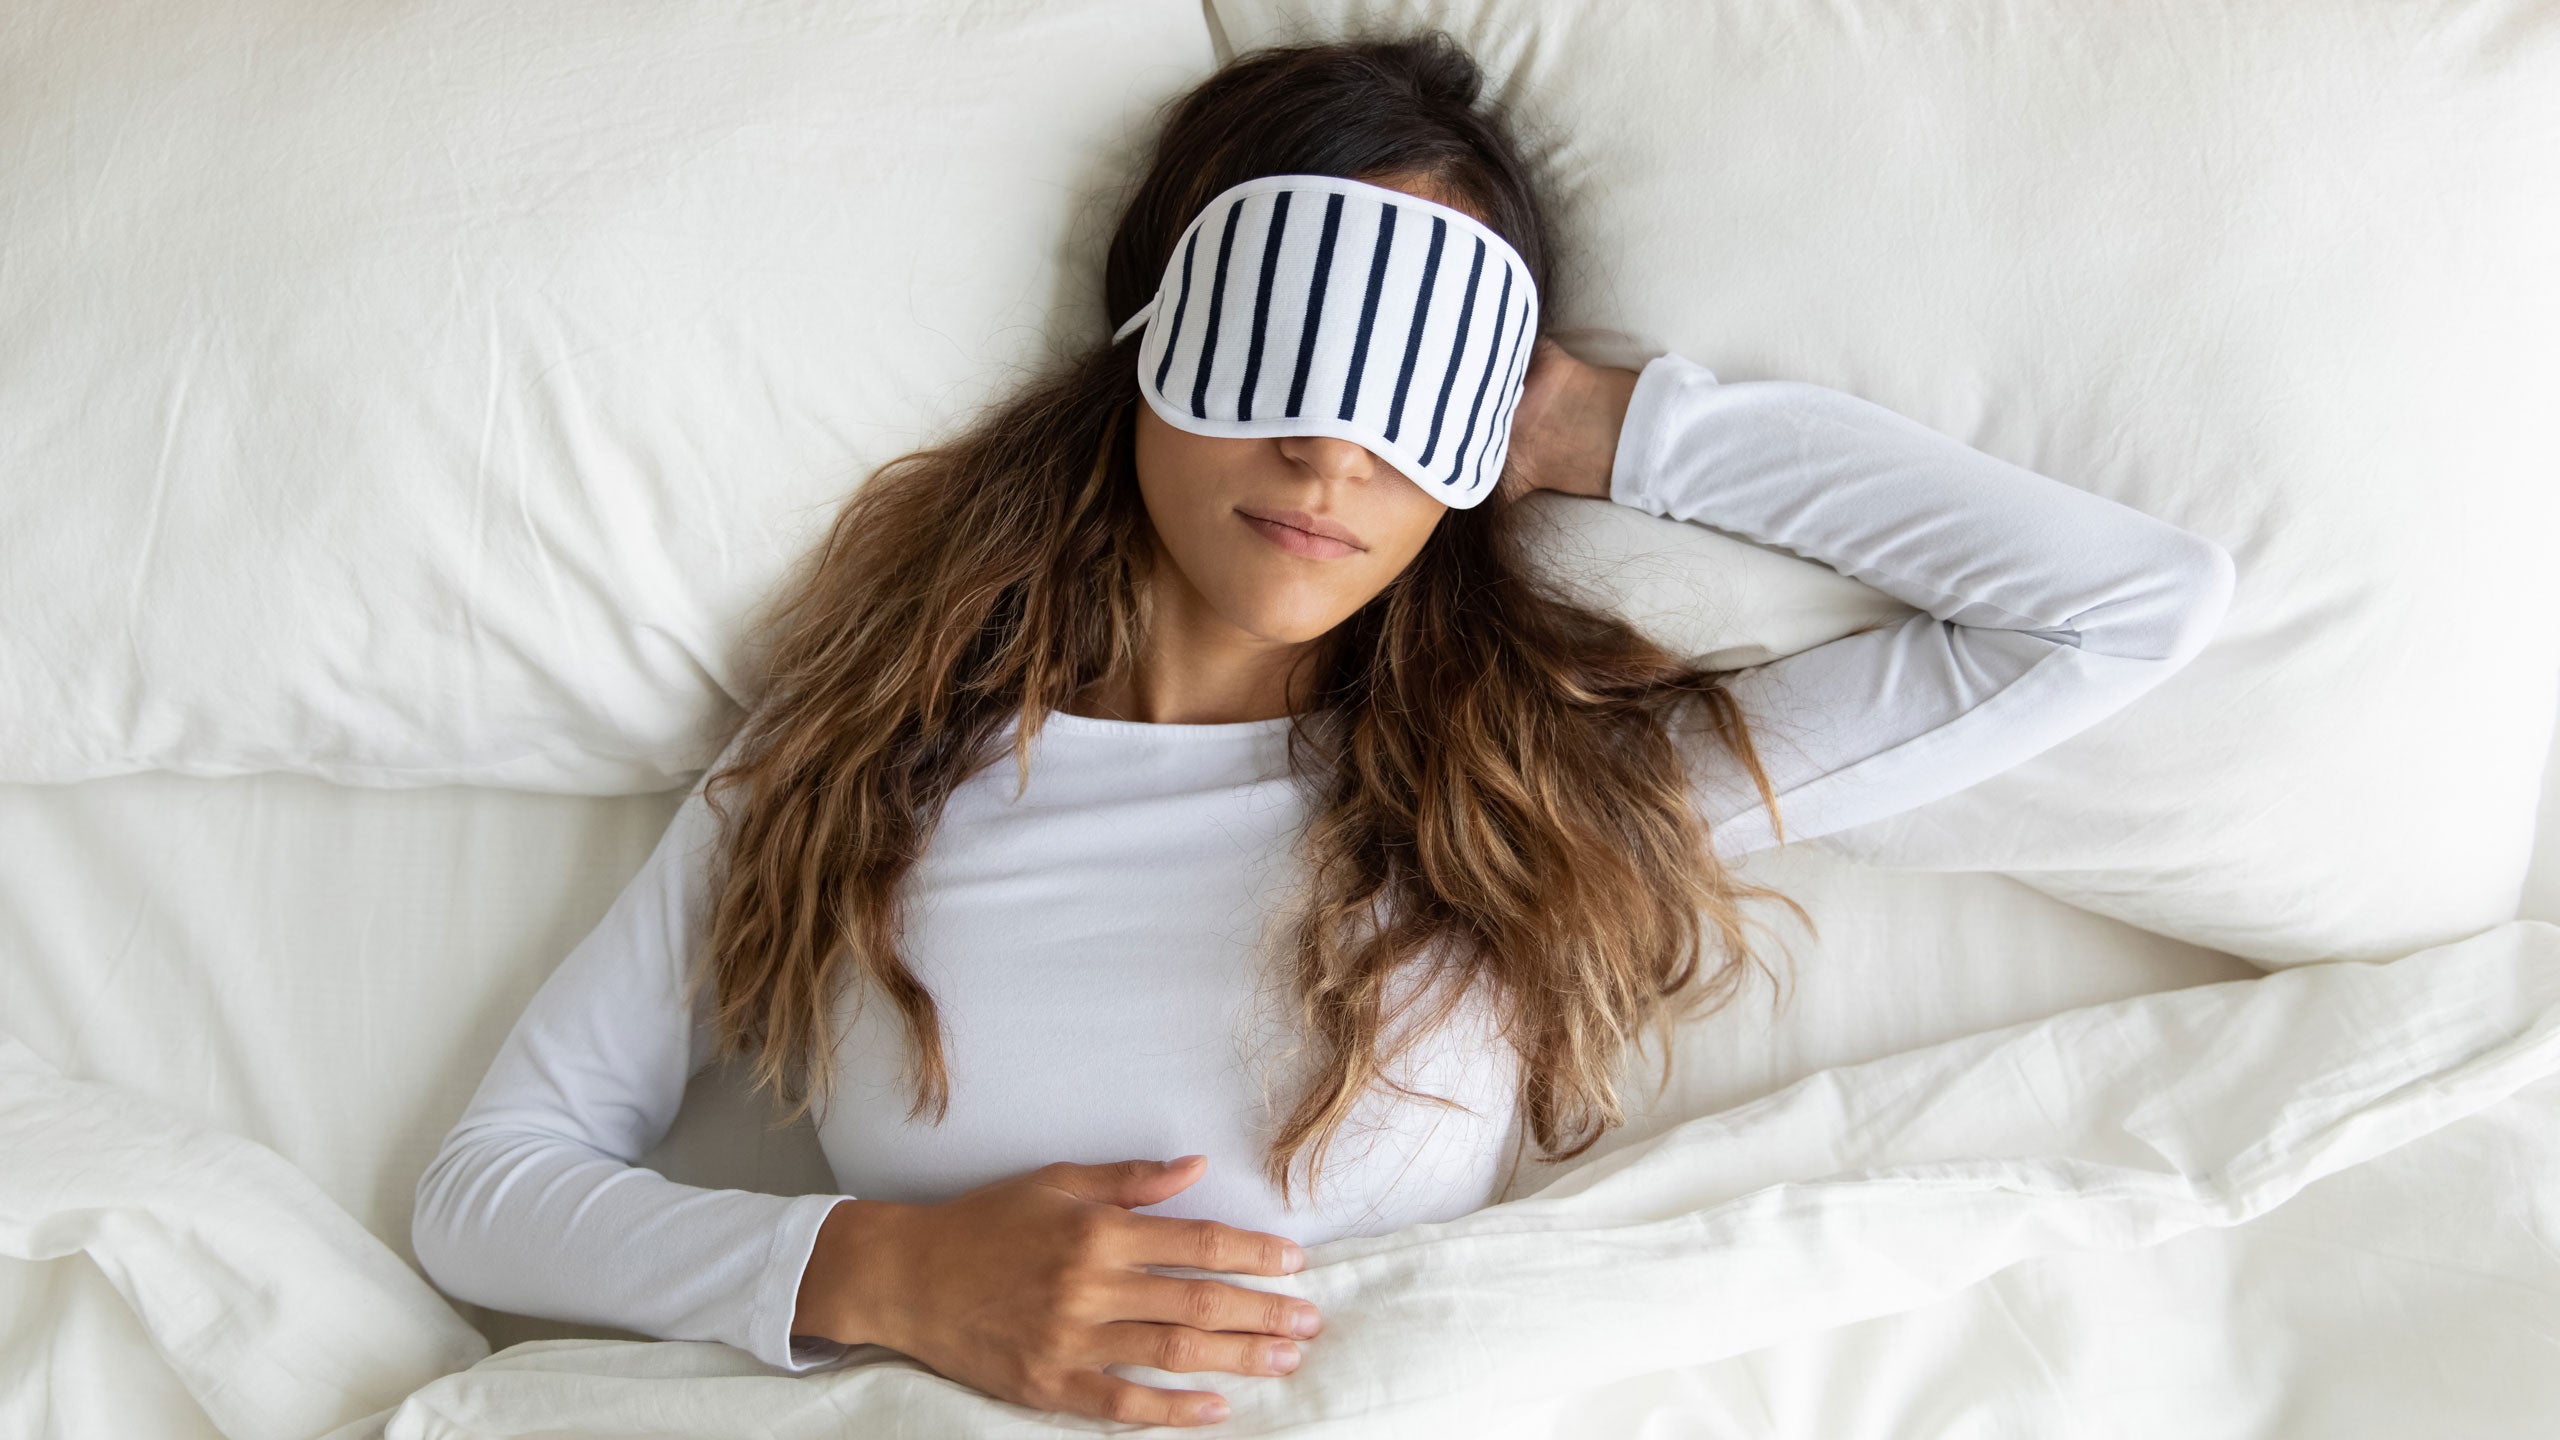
{"type": "Point", "coordinates": [1287, 616]}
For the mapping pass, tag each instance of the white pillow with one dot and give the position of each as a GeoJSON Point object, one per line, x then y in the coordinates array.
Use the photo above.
{"type": "Point", "coordinates": [1719, 599]}
{"type": "Point", "coordinates": [2283, 274]}
{"type": "Point", "coordinates": [422, 394]}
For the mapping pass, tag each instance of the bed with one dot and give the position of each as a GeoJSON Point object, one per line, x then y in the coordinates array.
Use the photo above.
{"type": "Point", "coordinates": [242, 941]}
{"type": "Point", "coordinates": [2197, 1078]}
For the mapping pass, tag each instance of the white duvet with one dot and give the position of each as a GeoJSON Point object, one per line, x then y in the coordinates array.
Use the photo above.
{"type": "Point", "coordinates": [2416, 1098]}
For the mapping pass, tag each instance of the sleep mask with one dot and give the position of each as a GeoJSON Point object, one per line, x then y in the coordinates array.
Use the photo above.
{"type": "Point", "coordinates": [1316, 305]}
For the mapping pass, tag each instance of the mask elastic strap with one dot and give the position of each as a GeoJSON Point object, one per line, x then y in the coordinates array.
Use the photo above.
{"type": "Point", "coordinates": [1134, 321]}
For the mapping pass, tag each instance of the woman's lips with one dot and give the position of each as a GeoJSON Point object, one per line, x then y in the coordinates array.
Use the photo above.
{"type": "Point", "coordinates": [1303, 534]}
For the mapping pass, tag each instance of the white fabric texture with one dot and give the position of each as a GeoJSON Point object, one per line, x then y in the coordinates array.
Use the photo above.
{"type": "Point", "coordinates": [282, 1315]}
{"type": "Point", "coordinates": [1362, 313]}
{"type": "Point", "coordinates": [1859, 1193]}
{"type": "Point", "coordinates": [2288, 276]}
{"type": "Point", "coordinates": [424, 395]}
{"type": "Point", "coordinates": [1153, 860]}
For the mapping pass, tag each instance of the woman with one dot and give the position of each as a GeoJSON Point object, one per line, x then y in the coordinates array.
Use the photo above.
{"type": "Point", "coordinates": [1331, 840]}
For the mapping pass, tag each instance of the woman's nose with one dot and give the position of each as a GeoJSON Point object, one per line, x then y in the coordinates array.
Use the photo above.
{"type": "Point", "coordinates": [1329, 457]}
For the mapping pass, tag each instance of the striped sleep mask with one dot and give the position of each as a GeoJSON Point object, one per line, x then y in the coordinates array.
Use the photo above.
{"type": "Point", "coordinates": [1316, 305]}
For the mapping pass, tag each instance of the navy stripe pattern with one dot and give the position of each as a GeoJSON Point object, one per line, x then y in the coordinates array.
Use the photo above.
{"type": "Point", "coordinates": [1328, 306]}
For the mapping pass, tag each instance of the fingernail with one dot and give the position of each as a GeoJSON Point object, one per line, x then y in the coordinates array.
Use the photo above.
{"type": "Point", "coordinates": [1284, 1358]}
{"type": "Point", "coordinates": [1184, 1160]}
{"type": "Point", "coordinates": [1292, 1260]}
{"type": "Point", "coordinates": [1305, 1322]}
{"type": "Point", "coordinates": [1212, 1410]}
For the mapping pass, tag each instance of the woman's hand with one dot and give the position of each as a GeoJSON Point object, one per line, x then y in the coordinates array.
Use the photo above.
{"type": "Point", "coordinates": [1564, 433]}
{"type": "Point", "coordinates": [1026, 1288]}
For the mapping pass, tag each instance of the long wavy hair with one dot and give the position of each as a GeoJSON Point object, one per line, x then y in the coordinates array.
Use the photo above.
{"type": "Point", "coordinates": [1491, 768]}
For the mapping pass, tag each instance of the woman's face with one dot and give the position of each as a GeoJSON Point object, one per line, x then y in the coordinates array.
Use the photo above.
{"type": "Point", "coordinates": [1283, 536]}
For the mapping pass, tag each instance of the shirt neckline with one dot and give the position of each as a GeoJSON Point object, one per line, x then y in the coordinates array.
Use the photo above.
{"type": "Point", "coordinates": [1074, 724]}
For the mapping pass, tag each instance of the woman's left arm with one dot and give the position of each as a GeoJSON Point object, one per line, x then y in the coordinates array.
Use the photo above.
{"type": "Point", "coordinates": [2045, 607]}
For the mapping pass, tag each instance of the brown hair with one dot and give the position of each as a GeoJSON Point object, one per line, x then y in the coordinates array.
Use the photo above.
{"type": "Point", "coordinates": [1492, 768]}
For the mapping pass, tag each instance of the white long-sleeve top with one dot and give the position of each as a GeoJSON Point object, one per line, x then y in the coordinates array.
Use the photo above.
{"type": "Point", "coordinates": [1096, 944]}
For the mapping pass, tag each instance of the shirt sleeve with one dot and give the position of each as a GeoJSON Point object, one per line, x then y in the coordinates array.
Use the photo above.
{"type": "Point", "coordinates": [2045, 607]}
{"type": "Point", "coordinates": [534, 1205]}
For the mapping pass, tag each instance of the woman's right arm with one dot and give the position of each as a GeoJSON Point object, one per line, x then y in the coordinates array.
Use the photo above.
{"type": "Point", "coordinates": [534, 1204]}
